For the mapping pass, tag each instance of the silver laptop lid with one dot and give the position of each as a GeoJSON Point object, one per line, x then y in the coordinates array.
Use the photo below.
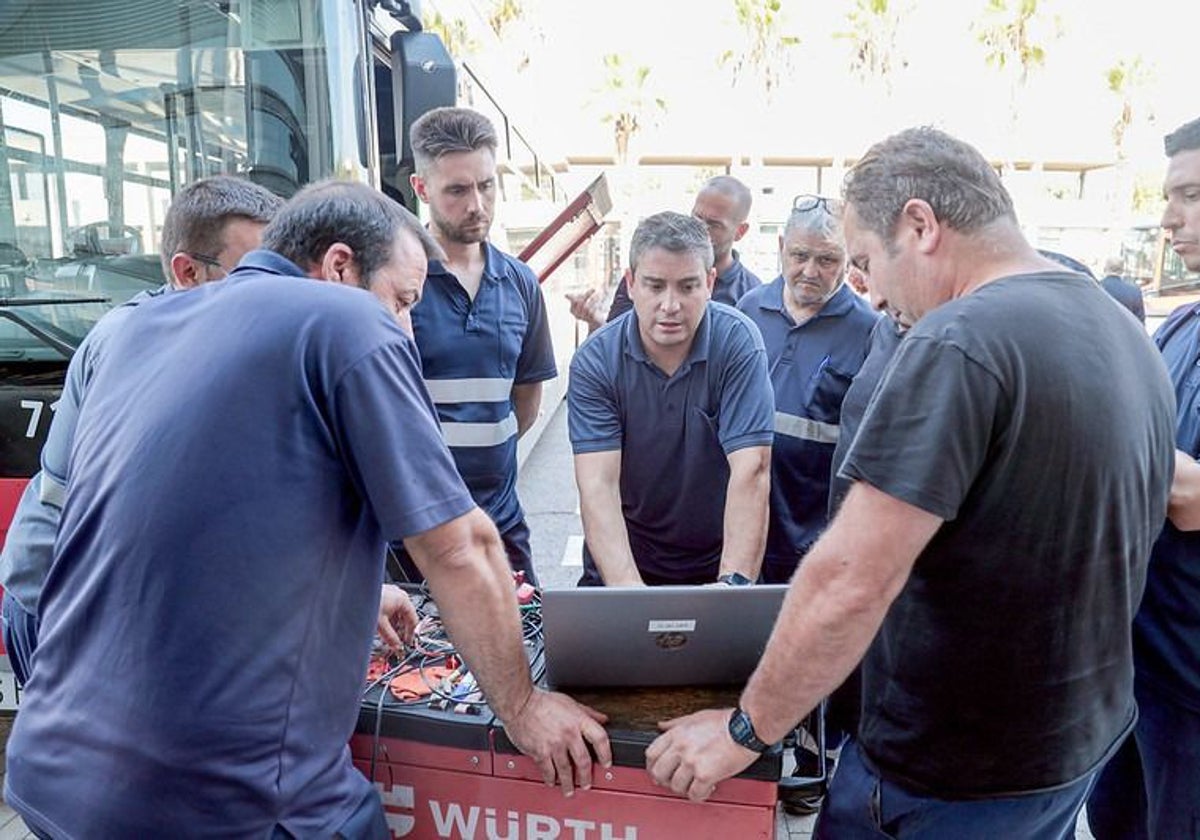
{"type": "Point", "coordinates": [597, 637]}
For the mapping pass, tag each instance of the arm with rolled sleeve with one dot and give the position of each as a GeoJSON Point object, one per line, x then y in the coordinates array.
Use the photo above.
{"type": "Point", "coordinates": [596, 438]}
{"type": "Point", "coordinates": [746, 422]}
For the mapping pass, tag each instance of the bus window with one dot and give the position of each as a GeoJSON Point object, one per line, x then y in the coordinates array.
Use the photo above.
{"type": "Point", "coordinates": [107, 107]}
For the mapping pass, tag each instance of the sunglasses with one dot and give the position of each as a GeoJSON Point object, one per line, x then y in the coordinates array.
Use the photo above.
{"type": "Point", "coordinates": [805, 202]}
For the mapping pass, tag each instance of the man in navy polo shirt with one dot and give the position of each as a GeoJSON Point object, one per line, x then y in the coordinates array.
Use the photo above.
{"type": "Point", "coordinates": [1152, 787]}
{"type": "Point", "coordinates": [816, 332]}
{"type": "Point", "coordinates": [723, 205]}
{"type": "Point", "coordinates": [671, 419]}
{"type": "Point", "coordinates": [205, 627]}
{"type": "Point", "coordinates": [481, 327]}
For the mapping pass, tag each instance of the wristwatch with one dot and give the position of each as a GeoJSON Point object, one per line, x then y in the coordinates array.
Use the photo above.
{"type": "Point", "coordinates": [741, 730]}
{"type": "Point", "coordinates": [734, 579]}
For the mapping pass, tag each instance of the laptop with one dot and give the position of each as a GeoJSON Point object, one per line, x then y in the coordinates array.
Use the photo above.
{"type": "Point", "coordinates": [607, 637]}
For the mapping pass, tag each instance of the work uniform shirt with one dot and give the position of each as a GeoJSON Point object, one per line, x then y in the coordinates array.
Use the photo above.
{"type": "Point", "coordinates": [1166, 634]}
{"type": "Point", "coordinates": [472, 353]}
{"type": "Point", "coordinates": [811, 365]}
{"type": "Point", "coordinates": [1004, 664]}
{"type": "Point", "coordinates": [242, 455]}
{"type": "Point", "coordinates": [731, 284]}
{"type": "Point", "coordinates": [674, 432]}
{"type": "Point", "coordinates": [29, 544]}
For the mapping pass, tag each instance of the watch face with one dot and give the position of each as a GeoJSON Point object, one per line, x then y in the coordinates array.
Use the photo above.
{"type": "Point", "coordinates": [742, 732]}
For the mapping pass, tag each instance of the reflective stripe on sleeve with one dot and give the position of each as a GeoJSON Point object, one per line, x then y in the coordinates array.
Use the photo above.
{"type": "Point", "coordinates": [805, 428]}
{"type": "Point", "coordinates": [51, 492]}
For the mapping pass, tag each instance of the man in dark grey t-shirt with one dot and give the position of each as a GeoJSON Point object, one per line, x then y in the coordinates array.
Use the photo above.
{"type": "Point", "coordinates": [1010, 474]}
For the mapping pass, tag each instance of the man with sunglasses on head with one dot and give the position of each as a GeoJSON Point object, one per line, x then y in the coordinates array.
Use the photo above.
{"type": "Point", "coordinates": [816, 332]}
{"type": "Point", "coordinates": [723, 206]}
{"type": "Point", "coordinates": [210, 225]}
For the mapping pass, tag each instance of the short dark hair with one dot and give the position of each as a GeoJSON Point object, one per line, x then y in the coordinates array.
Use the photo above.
{"type": "Point", "coordinates": [963, 189]}
{"type": "Point", "coordinates": [443, 131]}
{"type": "Point", "coordinates": [1186, 138]}
{"type": "Point", "coordinates": [734, 189]}
{"type": "Point", "coordinates": [333, 211]}
{"type": "Point", "coordinates": [672, 232]}
{"type": "Point", "coordinates": [198, 215]}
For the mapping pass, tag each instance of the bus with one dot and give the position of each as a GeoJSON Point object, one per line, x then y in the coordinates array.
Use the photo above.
{"type": "Point", "coordinates": [108, 107]}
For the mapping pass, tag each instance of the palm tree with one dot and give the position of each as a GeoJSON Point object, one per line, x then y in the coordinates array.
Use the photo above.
{"type": "Point", "coordinates": [1010, 38]}
{"type": "Point", "coordinates": [629, 105]}
{"type": "Point", "coordinates": [766, 49]}
{"type": "Point", "coordinates": [874, 54]}
{"type": "Point", "coordinates": [1128, 78]}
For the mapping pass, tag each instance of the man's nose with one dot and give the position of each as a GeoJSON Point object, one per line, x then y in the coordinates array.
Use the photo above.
{"type": "Point", "coordinates": [1170, 217]}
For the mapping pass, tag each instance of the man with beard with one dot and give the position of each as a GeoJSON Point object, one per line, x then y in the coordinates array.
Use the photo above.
{"type": "Point", "coordinates": [481, 326]}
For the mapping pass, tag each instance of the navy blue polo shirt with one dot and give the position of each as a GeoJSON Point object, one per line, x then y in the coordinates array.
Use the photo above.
{"type": "Point", "coordinates": [674, 432]}
{"type": "Point", "coordinates": [811, 367]}
{"type": "Point", "coordinates": [243, 452]}
{"type": "Point", "coordinates": [731, 284]}
{"type": "Point", "coordinates": [472, 353]}
{"type": "Point", "coordinates": [1166, 632]}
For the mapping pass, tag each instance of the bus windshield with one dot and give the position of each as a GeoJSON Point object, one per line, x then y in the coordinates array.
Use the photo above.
{"type": "Point", "coordinates": [108, 107]}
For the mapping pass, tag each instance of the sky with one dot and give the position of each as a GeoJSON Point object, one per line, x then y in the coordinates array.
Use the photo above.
{"type": "Point", "coordinates": [1065, 110]}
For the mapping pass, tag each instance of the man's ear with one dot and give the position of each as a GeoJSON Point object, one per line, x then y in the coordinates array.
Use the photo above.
{"type": "Point", "coordinates": [185, 271]}
{"type": "Point", "coordinates": [918, 218]}
{"type": "Point", "coordinates": [337, 265]}
{"type": "Point", "coordinates": [419, 187]}
{"type": "Point", "coordinates": [627, 279]}
{"type": "Point", "coordinates": [711, 280]}
{"type": "Point", "coordinates": [740, 231]}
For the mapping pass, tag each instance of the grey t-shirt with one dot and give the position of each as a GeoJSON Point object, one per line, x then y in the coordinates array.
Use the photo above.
{"type": "Point", "coordinates": [1035, 418]}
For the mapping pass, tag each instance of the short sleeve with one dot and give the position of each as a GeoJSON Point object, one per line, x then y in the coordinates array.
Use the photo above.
{"type": "Point", "coordinates": [621, 302]}
{"type": "Point", "coordinates": [536, 360]}
{"type": "Point", "coordinates": [388, 433]}
{"type": "Point", "coordinates": [747, 410]}
{"type": "Point", "coordinates": [928, 428]}
{"type": "Point", "coordinates": [593, 418]}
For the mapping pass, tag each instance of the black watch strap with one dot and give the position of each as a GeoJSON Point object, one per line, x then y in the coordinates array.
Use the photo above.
{"type": "Point", "coordinates": [741, 730]}
{"type": "Point", "coordinates": [734, 579]}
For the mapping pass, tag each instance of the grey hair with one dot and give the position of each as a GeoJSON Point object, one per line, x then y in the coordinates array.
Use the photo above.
{"type": "Point", "coordinates": [822, 219]}
{"type": "Point", "coordinates": [963, 189]}
{"type": "Point", "coordinates": [198, 214]}
{"type": "Point", "coordinates": [333, 211]}
{"type": "Point", "coordinates": [672, 232]}
{"type": "Point", "coordinates": [1186, 138]}
{"type": "Point", "coordinates": [734, 189]}
{"type": "Point", "coordinates": [443, 131]}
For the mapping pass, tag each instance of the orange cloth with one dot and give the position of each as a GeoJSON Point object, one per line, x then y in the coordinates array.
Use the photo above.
{"type": "Point", "coordinates": [413, 685]}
